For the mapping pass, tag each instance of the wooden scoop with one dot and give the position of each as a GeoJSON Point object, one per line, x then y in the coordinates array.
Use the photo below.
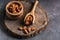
{"type": "Point", "coordinates": [32, 12]}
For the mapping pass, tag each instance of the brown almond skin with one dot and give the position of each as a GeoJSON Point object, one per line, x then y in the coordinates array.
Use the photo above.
{"type": "Point", "coordinates": [28, 20]}
{"type": "Point", "coordinates": [15, 8]}
{"type": "Point", "coordinates": [29, 29]}
{"type": "Point", "coordinates": [33, 28]}
{"type": "Point", "coordinates": [25, 27]}
{"type": "Point", "coordinates": [27, 23]}
{"type": "Point", "coordinates": [20, 28]}
{"type": "Point", "coordinates": [25, 30]}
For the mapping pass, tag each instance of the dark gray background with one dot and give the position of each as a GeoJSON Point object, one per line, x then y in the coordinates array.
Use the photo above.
{"type": "Point", "coordinates": [52, 32]}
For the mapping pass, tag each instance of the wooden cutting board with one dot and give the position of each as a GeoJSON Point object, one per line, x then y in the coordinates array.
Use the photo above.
{"type": "Point", "coordinates": [40, 22]}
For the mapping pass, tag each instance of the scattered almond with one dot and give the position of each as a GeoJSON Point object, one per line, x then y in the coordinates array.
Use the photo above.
{"type": "Point", "coordinates": [29, 29]}
{"type": "Point", "coordinates": [33, 28]}
{"type": "Point", "coordinates": [20, 28]}
{"type": "Point", "coordinates": [25, 30]}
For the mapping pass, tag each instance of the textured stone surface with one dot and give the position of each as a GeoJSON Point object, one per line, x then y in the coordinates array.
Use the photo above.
{"type": "Point", "coordinates": [52, 32]}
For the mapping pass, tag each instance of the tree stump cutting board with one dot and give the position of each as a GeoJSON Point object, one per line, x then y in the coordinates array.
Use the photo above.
{"type": "Point", "coordinates": [40, 22]}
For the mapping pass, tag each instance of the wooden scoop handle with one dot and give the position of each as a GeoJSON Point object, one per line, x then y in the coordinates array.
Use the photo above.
{"type": "Point", "coordinates": [35, 4]}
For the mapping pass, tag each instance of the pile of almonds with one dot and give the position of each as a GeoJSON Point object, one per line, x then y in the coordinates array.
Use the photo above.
{"type": "Point", "coordinates": [28, 20]}
{"type": "Point", "coordinates": [27, 30]}
{"type": "Point", "coordinates": [14, 8]}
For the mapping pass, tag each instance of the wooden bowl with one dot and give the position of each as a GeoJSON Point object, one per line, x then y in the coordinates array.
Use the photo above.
{"type": "Point", "coordinates": [14, 15]}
